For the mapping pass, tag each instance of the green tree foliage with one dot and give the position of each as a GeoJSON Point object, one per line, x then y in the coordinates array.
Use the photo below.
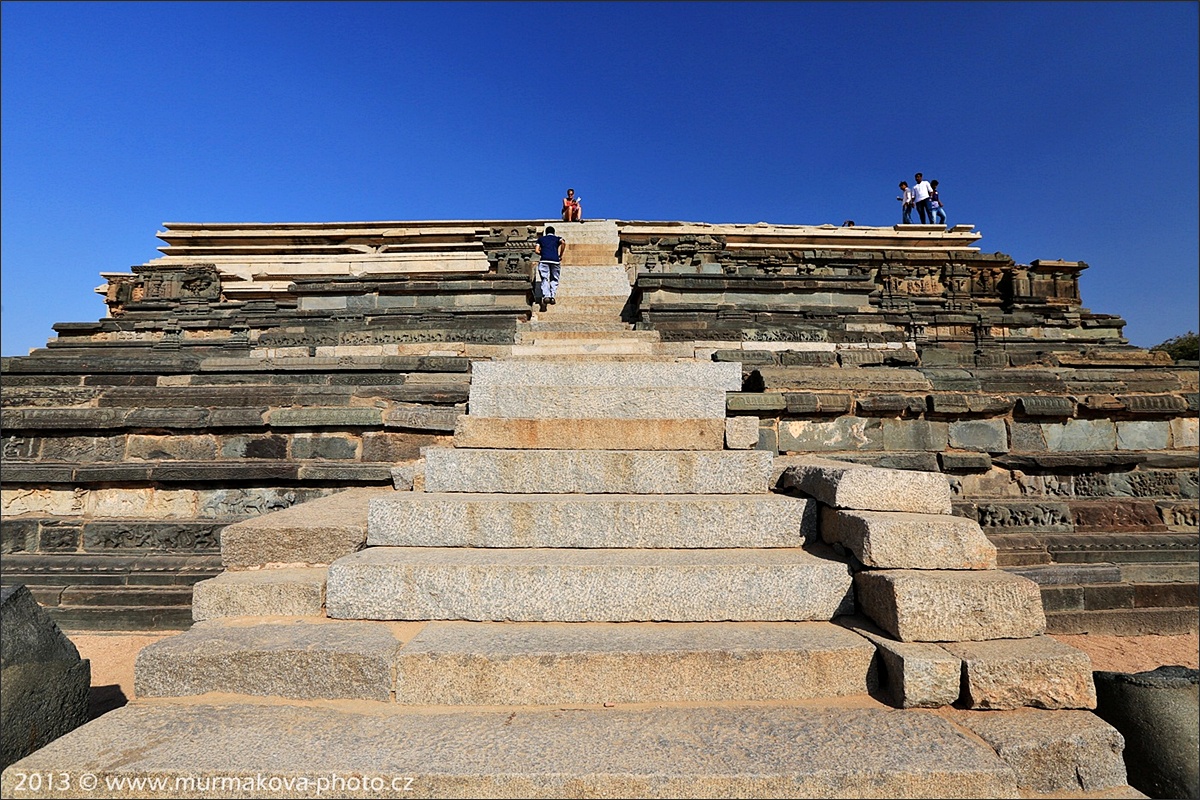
{"type": "Point", "coordinates": [1181, 348]}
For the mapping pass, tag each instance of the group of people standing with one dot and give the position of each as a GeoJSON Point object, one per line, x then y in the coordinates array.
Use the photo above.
{"type": "Point", "coordinates": [923, 195]}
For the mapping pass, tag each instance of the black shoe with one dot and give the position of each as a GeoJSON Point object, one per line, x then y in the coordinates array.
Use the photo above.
{"type": "Point", "coordinates": [542, 304]}
{"type": "Point", "coordinates": [550, 301]}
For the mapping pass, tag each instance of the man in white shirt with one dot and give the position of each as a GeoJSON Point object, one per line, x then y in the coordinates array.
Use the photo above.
{"type": "Point", "coordinates": [921, 191]}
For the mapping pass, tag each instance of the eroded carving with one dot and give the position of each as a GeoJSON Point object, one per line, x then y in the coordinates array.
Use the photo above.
{"type": "Point", "coordinates": [1024, 515]}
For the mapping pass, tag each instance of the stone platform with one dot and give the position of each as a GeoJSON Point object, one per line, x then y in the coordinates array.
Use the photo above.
{"type": "Point", "coordinates": [257, 367]}
{"type": "Point", "coordinates": [663, 622]}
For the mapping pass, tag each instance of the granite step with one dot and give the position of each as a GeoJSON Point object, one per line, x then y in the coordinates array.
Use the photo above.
{"type": "Point", "coordinates": [283, 592]}
{"type": "Point", "coordinates": [589, 434]}
{"type": "Point", "coordinates": [610, 304]}
{"type": "Point", "coordinates": [421, 519]}
{"type": "Point", "coordinates": [450, 469]}
{"type": "Point", "coordinates": [504, 664]}
{"type": "Point", "coordinates": [592, 402]}
{"type": "Point", "coordinates": [691, 374]}
{"type": "Point", "coordinates": [609, 585]}
{"type": "Point", "coordinates": [600, 323]}
{"type": "Point", "coordinates": [584, 348]}
{"type": "Point", "coordinates": [275, 749]}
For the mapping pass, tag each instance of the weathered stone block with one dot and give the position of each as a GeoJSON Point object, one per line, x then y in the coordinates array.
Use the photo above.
{"type": "Point", "coordinates": [273, 447]}
{"type": "Point", "coordinates": [603, 585]}
{"type": "Point", "coordinates": [807, 358]}
{"type": "Point", "coordinates": [741, 433]}
{"type": "Point", "coordinates": [307, 445]}
{"type": "Point", "coordinates": [984, 436]}
{"type": "Point", "coordinates": [914, 435]}
{"type": "Point", "coordinates": [859, 380]}
{"type": "Point", "coordinates": [768, 438]}
{"type": "Point", "coordinates": [750, 401]}
{"type": "Point", "coordinates": [919, 675]}
{"type": "Point", "coordinates": [294, 592]}
{"type": "Point", "coordinates": [591, 434]}
{"type": "Point", "coordinates": [424, 519]}
{"type": "Point", "coordinates": [1001, 517]}
{"type": "Point", "coordinates": [783, 750]}
{"type": "Point", "coordinates": [1081, 434]}
{"type": "Point", "coordinates": [859, 357]}
{"type": "Point", "coordinates": [317, 532]}
{"type": "Point", "coordinates": [843, 485]}
{"type": "Point", "coordinates": [42, 502]}
{"type": "Point", "coordinates": [236, 417]}
{"type": "Point", "coordinates": [900, 540]}
{"type": "Point", "coordinates": [19, 535]}
{"type": "Point", "coordinates": [1047, 406]}
{"type": "Point", "coordinates": [45, 682]}
{"type": "Point", "coordinates": [391, 447]}
{"type": "Point", "coordinates": [181, 418]}
{"type": "Point", "coordinates": [325, 418]}
{"type": "Point", "coordinates": [1143, 435]}
{"type": "Point", "coordinates": [844, 433]}
{"type": "Point", "coordinates": [1064, 751]}
{"type": "Point", "coordinates": [597, 471]}
{"type": "Point", "coordinates": [965, 462]}
{"type": "Point", "coordinates": [82, 449]}
{"type": "Point", "coordinates": [536, 373]}
{"type": "Point", "coordinates": [1028, 437]}
{"type": "Point", "coordinates": [891, 404]}
{"type": "Point", "coordinates": [308, 660]}
{"type": "Point", "coordinates": [945, 606]}
{"type": "Point", "coordinates": [464, 663]}
{"type": "Point", "coordinates": [170, 536]}
{"type": "Point", "coordinates": [1154, 404]}
{"type": "Point", "coordinates": [753, 357]}
{"type": "Point", "coordinates": [419, 417]}
{"type": "Point", "coordinates": [1037, 671]}
{"type": "Point", "coordinates": [1185, 432]}
{"type": "Point", "coordinates": [1125, 515]}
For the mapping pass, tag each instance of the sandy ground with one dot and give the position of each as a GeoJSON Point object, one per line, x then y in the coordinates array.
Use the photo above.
{"type": "Point", "coordinates": [113, 656]}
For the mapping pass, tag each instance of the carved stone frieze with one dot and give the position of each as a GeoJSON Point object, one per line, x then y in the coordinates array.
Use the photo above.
{"type": "Point", "coordinates": [194, 284]}
{"type": "Point", "coordinates": [1030, 516]}
{"type": "Point", "coordinates": [1180, 514]}
{"type": "Point", "coordinates": [1044, 485]}
{"type": "Point", "coordinates": [247, 502]}
{"type": "Point", "coordinates": [480, 335]}
{"type": "Point", "coordinates": [19, 446]}
{"type": "Point", "coordinates": [162, 536]}
{"type": "Point", "coordinates": [510, 250]}
{"type": "Point", "coordinates": [1151, 483]}
{"type": "Point", "coordinates": [687, 253]}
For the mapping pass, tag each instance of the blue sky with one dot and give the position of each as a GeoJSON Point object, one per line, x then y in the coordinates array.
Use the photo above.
{"type": "Point", "coordinates": [1060, 130]}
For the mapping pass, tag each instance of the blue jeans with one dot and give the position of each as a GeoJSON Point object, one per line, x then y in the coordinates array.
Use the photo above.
{"type": "Point", "coordinates": [907, 219]}
{"type": "Point", "coordinates": [548, 273]}
{"type": "Point", "coordinates": [939, 216]}
{"type": "Point", "coordinates": [924, 211]}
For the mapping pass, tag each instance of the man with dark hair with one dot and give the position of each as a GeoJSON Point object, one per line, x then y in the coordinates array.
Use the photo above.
{"type": "Point", "coordinates": [921, 191]}
{"type": "Point", "coordinates": [550, 250]}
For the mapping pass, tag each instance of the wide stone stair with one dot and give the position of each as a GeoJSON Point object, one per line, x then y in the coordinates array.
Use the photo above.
{"type": "Point", "coordinates": [592, 594]}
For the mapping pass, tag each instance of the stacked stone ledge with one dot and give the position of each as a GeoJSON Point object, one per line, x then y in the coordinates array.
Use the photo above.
{"type": "Point", "coordinates": [929, 581]}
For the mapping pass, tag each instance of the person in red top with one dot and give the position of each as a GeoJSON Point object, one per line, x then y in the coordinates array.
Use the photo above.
{"type": "Point", "coordinates": [571, 210]}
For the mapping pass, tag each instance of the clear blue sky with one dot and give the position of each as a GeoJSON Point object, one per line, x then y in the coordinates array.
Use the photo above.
{"type": "Point", "coordinates": [1061, 130]}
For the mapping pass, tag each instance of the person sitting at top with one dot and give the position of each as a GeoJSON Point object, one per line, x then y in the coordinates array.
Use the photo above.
{"type": "Point", "coordinates": [571, 210]}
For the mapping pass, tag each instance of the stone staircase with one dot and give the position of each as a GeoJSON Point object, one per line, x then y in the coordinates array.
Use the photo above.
{"type": "Point", "coordinates": [592, 594]}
